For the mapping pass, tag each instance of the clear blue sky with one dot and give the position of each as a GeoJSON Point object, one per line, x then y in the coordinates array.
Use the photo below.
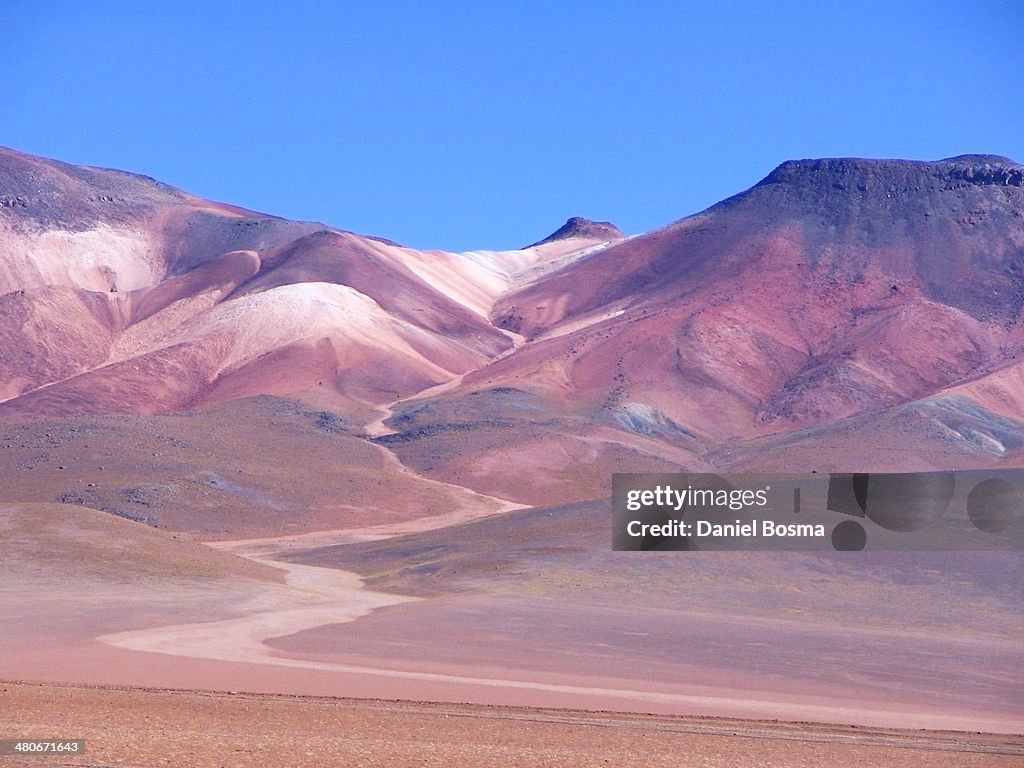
{"type": "Point", "coordinates": [487, 124]}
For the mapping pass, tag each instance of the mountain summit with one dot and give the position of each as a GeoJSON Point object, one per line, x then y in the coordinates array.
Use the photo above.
{"type": "Point", "coordinates": [579, 227]}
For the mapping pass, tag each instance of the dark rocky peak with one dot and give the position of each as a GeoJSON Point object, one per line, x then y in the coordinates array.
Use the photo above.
{"type": "Point", "coordinates": [863, 175]}
{"type": "Point", "coordinates": [51, 193]}
{"type": "Point", "coordinates": [579, 227]}
{"type": "Point", "coordinates": [980, 160]}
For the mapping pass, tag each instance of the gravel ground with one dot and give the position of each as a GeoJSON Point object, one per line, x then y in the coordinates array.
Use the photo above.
{"type": "Point", "coordinates": [131, 728]}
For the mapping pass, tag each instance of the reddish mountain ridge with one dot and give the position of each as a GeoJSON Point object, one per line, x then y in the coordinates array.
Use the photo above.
{"type": "Point", "coordinates": [831, 288]}
{"type": "Point", "coordinates": [840, 314]}
{"type": "Point", "coordinates": [807, 307]}
{"type": "Point", "coordinates": [121, 294]}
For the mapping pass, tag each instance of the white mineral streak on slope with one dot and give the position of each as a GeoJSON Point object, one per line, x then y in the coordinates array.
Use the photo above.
{"type": "Point", "coordinates": [249, 326]}
{"type": "Point", "coordinates": [96, 259]}
{"type": "Point", "coordinates": [156, 330]}
{"type": "Point", "coordinates": [476, 279]}
{"type": "Point", "coordinates": [190, 299]}
{"type": "Point", "coordinates": [578, 324]}
{"type": "Point", "coordinates": [471, 284]}
{"type": "Point", "coordinates": [555, 255]}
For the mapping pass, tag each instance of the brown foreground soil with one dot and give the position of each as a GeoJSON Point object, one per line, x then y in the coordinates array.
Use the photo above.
{"type": "Point", "coordinates": [134, 727]}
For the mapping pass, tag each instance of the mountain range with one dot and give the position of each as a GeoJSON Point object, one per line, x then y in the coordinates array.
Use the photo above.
{"type": "Point", "coordinates": [242, 453]}
{"type": "Point", "coordinates": [840, 314]}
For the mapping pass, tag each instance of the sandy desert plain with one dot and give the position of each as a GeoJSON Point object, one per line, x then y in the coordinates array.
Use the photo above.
{"type": "Point", "coordinates": [276, 494]}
